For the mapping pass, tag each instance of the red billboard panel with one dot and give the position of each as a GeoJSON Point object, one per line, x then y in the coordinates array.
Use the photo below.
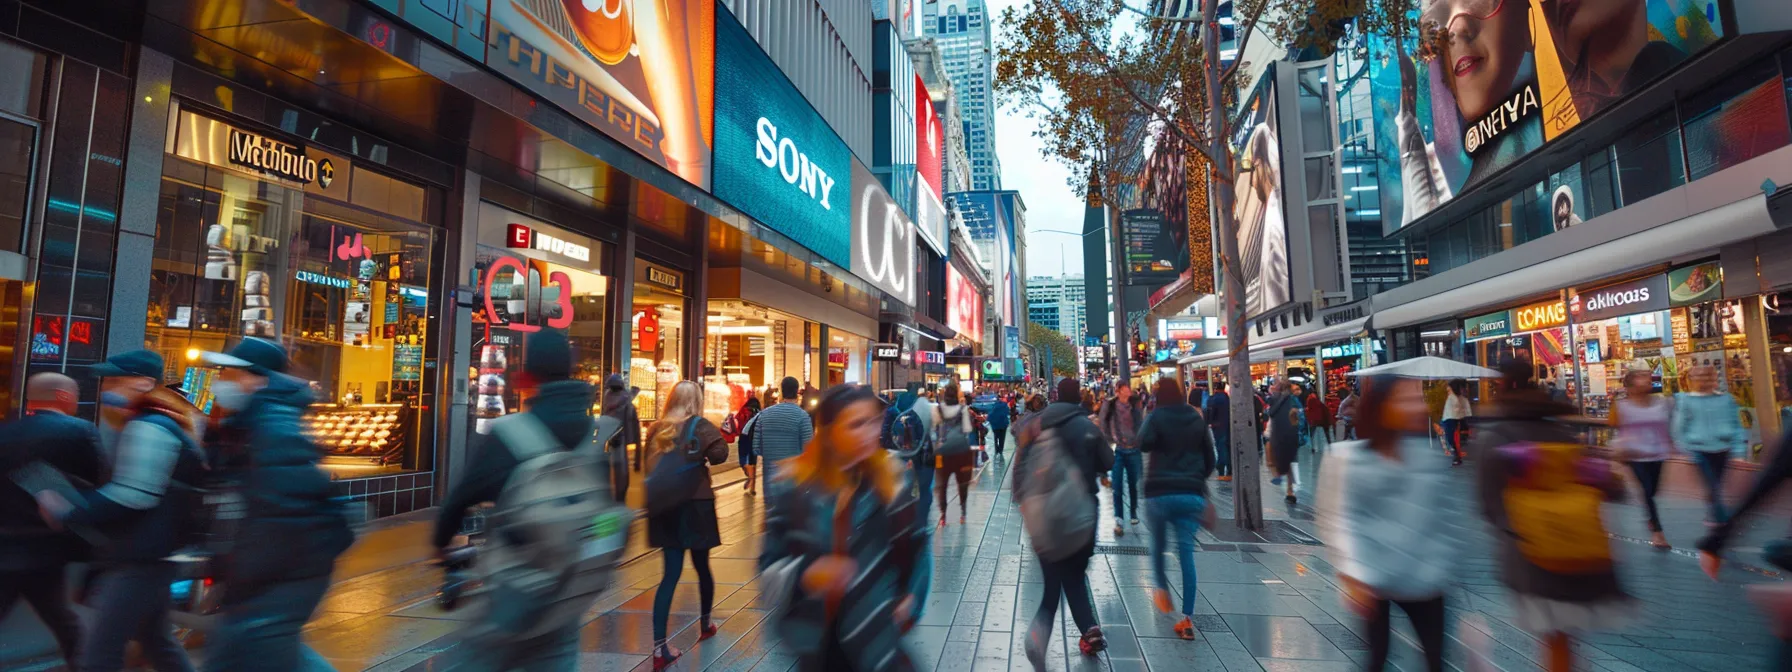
{"type": "Point", "coordinates": [930, 140]}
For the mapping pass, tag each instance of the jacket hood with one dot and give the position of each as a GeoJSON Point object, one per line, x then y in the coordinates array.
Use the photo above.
{"type": "Point", "coordinates": [617, 394]}
{"type": "Point", "coordinates": [285, 390]}
{"type": "Point", "coordinates": [905, 401]}
{"type": "Point", "coordinates": [565, 407]}
{"type": "Point", "coordinates": [1059, 413]}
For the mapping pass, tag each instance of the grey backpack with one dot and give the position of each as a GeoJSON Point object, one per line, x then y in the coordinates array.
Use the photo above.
{"type": "Point", "coordinates": [1055, 508]}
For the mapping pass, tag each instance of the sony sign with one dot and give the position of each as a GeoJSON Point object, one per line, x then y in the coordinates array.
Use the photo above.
{"type": "Point", "coordinates": [883, 238]}
{"type": "Point", "coordinates": [272, 157]}
{"type": "Point", "coordinates": [792, 164]}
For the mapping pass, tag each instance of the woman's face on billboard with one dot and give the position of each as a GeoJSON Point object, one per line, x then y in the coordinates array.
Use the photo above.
{"type": "Point", "coordinates": [1488, 40]}
{"type": "Point", "coordinates": [1576, 22]}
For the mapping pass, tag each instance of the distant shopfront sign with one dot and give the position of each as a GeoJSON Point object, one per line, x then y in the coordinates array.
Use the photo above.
{"type": "Point", "coordinates": [1491, 325]}
{"type": "Point", "coordinates": [1625, 298]}
{"type": "Point", "coordinates": [1540, 316]}
{"type": "Point", "coordinates": [886, 352]}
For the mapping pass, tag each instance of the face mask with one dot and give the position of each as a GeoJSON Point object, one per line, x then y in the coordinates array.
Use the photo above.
{"type": "Point", "coordinates": [114, 400]}
{"type": "Point", "coordinates": [230, 395]}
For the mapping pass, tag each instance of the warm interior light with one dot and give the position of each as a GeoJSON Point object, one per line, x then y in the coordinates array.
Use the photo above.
{"type": "Point", "coordinates": [192, 354]}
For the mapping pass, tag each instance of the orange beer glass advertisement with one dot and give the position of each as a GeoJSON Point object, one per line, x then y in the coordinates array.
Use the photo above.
{"type": "Point", "coordinates": [640, 71]}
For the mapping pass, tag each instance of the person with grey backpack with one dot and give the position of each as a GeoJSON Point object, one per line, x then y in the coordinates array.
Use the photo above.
{"type": "Point", "coordinates": [952, 431]}
{"type": "Point", "coordinates": [1062, 456]}
{"type": "Point", "coordinates": [556, 532]}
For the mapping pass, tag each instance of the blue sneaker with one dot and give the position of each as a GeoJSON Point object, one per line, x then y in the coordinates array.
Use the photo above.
{"type": "Point", "coordinates": [1276, 481]}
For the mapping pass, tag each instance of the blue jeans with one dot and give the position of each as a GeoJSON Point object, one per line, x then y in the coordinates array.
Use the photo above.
{"type": "Point", "coordinates": [1129, 465]}
{"type": "Point", "coordinates": [263, 631]}
{"type": "Point", "coordinates": [1183, 513]}
{"type": "Point", "coordinates": [1712, 467]}
{"type": "Point", "coordinates": [131, 602]}
{"type": "Point", "coordinates": [1222, 449]}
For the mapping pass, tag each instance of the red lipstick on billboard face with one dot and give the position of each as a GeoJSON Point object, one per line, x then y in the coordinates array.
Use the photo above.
{"type": "Point", "coordinates": [1467, 65]}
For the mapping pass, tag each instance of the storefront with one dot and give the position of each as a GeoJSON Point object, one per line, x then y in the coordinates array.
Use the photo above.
{"type": "Point", "coordinates": [1537, 333]}
{"type": "Point", "coordinates": [656, 347]}
{"type": "Point", "coordinates": [260, 235]}
{"type": "Point", "coordinates": [1340, 359]}
{"type": "Point", "coordinates": [752, 347]}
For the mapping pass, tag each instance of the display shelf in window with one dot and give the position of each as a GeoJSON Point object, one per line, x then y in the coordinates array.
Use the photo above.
{"type": "Point", "coordinates": [363, 434]}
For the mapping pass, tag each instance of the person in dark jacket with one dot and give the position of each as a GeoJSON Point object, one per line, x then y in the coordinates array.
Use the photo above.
{"type": "Point", "coordinates": [1283, 414]}
{"type": "Point", "coordinates": [563, 405]}
{"type": "Point", "coordinates": [33, 557]}
{"type": "Point", "coordinates": [1219, 423]}
{"type": "Point", "coordinates": [1067, 578]}
{"type": "Point", "coordinates": [619, 403]}
{"type": "Point", "coordinates": [850, 596]}
{"type": "Point", "coordinates": [292, 529]}
{"type": "Point", "coordinates": [156, 464]}
{"type": "Point", "coordinates": [1177, 440]}
{"type": "Point", "coordinates": [1121, 417]}
{"type": "Point", "coordinates": [690, 526]}
{"type": "Point", "coordinates": [997, 414]}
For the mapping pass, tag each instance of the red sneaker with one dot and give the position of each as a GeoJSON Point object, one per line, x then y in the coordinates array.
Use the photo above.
{"type": "Point", "coordinates": [1092, 642]}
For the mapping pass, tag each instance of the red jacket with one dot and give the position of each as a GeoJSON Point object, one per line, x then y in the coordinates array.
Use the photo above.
{"type": "Point", "coordinates": [1318, 414]}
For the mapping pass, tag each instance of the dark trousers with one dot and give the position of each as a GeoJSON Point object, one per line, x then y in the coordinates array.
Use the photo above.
{"type": "Point", "coordinates": [1067, 579]}
{"type": "Point", "coordinates": [674, 568]}
{"type": "Point", "coordinates": [1222, 448]}
{"type": "Point", "coordinates": [1453, 437]}
{"type": "Point", "coordinates": [46, 590]}
{"type": "Point", "coordinates": [1001, 438]}
{"type": "Point", "coordinates": [923, 486]}
{"type": "Point", "coordinates": [262, 632]}
{"type": "Point", "coordinates": [1427, 618]}
{"type": "Point", "coordinates": [131, 602]}
{"type": "Point", "coordinates": [962, 472]}
{"type": "Point", "coordinates": [1712, 466]}
{"type": "Point", "coordinates": [1129, 466]}
{"type": "Point", "coordinates": [1648, 475]}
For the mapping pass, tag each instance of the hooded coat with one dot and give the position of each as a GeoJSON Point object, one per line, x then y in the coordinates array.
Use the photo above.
{"type": "Point", "coordinates": [619, 403]}
{"type": "Point", "coordinates": [1078, 435]}
{"type": "Point", "coordinates": [564, 406]}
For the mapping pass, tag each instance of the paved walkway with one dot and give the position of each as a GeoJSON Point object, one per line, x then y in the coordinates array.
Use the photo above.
{"type": "Point", "coordinates": [1260, 605]}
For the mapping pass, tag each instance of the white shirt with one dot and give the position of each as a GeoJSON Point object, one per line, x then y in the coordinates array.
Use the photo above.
{"type": "Point", "coordinates": [1456, 408]}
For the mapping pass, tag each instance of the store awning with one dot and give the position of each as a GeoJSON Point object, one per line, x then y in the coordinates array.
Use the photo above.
{"type": "Point", "coordinates": [1258, 356]}
{"type": "Point", "coordinates": [1273, 349]}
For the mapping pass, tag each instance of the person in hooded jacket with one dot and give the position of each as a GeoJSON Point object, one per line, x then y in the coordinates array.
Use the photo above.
{"type": "Point", "coordinates": [1067, 578]}
{"type": "Point", "coordinates": [292, 529]}
{"type": "Point", "coordinates": [1176, 439]}
{"type": "Point", "coordinates": [563, 404]}
{"type": "Point", "coordinates": [619, 403]}
{"type": "Point", "coordinates": [1283, 416]}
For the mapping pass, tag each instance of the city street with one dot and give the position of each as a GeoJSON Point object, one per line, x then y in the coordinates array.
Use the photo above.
{"type": "Point", "coordinates": [1264, 604]}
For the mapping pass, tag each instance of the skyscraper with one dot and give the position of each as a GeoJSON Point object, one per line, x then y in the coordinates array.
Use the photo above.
{"type": "Point", "coordinates": [962, 29]}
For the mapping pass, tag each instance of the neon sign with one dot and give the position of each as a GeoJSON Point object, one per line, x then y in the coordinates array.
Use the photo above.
{"type": "Point", "coordinates": [530, 305]}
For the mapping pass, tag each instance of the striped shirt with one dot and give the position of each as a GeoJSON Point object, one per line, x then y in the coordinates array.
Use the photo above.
{"type": "Point", "coordinates": [781, 432]}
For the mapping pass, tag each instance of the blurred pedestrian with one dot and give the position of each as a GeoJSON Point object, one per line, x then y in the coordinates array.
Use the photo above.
{"type": "Point", "coordinates": [286, 545]}
{"type": "Point", "coordinates": [910, 440]}
{"type": "Point", "coordinates": [1384, 515]}
{"type": "Point", "coordinates": [1284, 436]}
{"type": "Point", "coordinates": [998, 417]}
{"type": "Point", "coordinates": [1035, 404]}
{"type": "Point", "coordinates": [152, 438]}
{"type": "Point", "coordinates": [952, 429]}
{"type": "Point", "coordinates": [1541, 490]}
{"type": "Point", "coordinates": [1121, 418]}
{"type": "Point", "coordinates": [1347, 413]}
{"type": "Point", "coordinates": [1319, 417]}
{"type": "Point", "coordinates": [1706, 423]}
{"type": "Point", "coordinates": [1076, 442]}
{"type": "Point", "coordinates": [687, 526]}
{"type": "Point", "coordinates": [619, 403]}
{"type": "Point", "coordinates": [1219, 423]}
{"type": "Point", "coordinates": [1777, 598]}
{"type": "Point", "coordinates": [1456, 411]}
{"type": "Point", "coordinates": [780, 432]}
{"type": "Point", "coordinates": [739, 428]}
{"type": "Point", "coordinates": [1181, 448]}
{"type": "Point", "coordinates": [33, 557]}
{"type": "Point", "coordinates": [845, 545]}
{"type": "Point", "coordinates": [1641, 420]}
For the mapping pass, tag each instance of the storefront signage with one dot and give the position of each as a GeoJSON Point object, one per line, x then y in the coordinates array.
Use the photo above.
{"type": "Point", "coordinates": [527, 303]}
{"type": "Point", "coordinates": [883, 238]}
{"type": "Point", "coordinates": [321, 279]}
{"type": "Point", "coordinates": [1539, 316]}
{"type": "Point", "coordinates": [1627, 298]}
{"type": "Point", "coordinates": [1095, 354]}
{"type": "Point", "coordinates": [1505, 115]}
{"type": "Point", "coordinates": [659, 277]}
{"type": "Point", "coordinates": [1696, 284]}
{"type": "Point", "coordinates": [992, 368]}
{"type": "Point", "coordinates": [930, 146]}
{"type": "Point", "coordinates": [1491, 325]}
{"type": "Point", "coordinates": [1342, 315]}
{"type": "Point", "coordinates": [521, 236]}
{"type": "Point", "coordinates": [925, 357]}
{"type": "Point", "coordinates": [1351, 349]}
{"type": "Point", "coordinates": [272, 157]}
{"type": "Point", "coordinates": [1182, 329]}
{"type": "Point", "coordinates": [776, 159]}
{"type": "Point", "coordinates": [886, 352]}
{"type": "Point", "coordinates": [1216, 329]}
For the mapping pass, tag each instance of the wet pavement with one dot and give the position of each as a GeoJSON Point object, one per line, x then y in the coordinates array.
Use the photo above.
{"type": "Point", "coordinates": [1266, 602]}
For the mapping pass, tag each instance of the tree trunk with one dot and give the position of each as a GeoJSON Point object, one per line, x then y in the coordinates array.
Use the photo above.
{"type": "Point", "coordinates": [1247, 486]}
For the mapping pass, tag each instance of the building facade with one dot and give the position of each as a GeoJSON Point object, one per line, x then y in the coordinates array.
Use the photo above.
{"type": "Point", "coordinates": [1057, 302]}
{"type": "Point", "coordinates": [963, 29]}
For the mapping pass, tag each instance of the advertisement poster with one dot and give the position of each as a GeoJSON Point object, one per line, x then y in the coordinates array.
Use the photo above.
{"type": "Point", "coordinates": [776, 159]}
{"type": "Point", "coordinates": [1262, 230]}
{"type": "Point", "coordinates": [640, 72]}
{"type": "Point", "coordinates": [357, 318]}
{"type": "Point", "coordinates": [964, 306]}
{"type": "Point", "coordinates": [1696, 284]}
{"type": "Point", "coordinates": [883, 238]}
{"type": "Point", "coordinates": [1509, 78]}
{"type": "Point", "coordinates": [1151, 253]}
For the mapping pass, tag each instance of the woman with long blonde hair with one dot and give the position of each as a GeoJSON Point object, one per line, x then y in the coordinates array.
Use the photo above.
{"type": "Point", "coordinates": [682, 433]}
{"type": "Point", "coordinates": [847, 519]}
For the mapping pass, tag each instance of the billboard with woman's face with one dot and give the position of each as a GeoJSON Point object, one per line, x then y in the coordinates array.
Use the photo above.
{"type": "Point", "coordinates": [1262, 229]}
{"type": "Point", "coordinates": [1500, 78]}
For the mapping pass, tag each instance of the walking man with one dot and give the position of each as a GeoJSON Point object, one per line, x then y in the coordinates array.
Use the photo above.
{"type": "Point", "coordinates": [1121, 418]}
{"type": "Point", "coordinates": [780, 433]}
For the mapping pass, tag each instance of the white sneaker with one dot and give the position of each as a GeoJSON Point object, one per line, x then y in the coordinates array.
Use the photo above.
{"type": "Point", "coordinates": [1135, 521]}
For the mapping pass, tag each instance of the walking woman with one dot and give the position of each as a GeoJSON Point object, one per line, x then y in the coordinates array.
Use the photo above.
{"type": "Point", "coordinates": [951, 417]}
{"type": "Point", "coordinates": [1179, 446]}
{"type": "Point", "coordinates": [1641, 419]}
{"type": "Point", "coordinates": [1284, 437]}
{"type": "Point", "coordinates": [683, 434]}
{"type": "Point", "coordinates": [1706, 424]}
{"type": "Point", "coordinates": [1456, 410]}
{"type": "Point", "coordinates": [1384, 515]}
{"type": "Point", "coordinates": [844, 544]}
{"type": "Point", "coordinates": [1066, 577]}
{"type": "Point", "coordinates": [742, 422]}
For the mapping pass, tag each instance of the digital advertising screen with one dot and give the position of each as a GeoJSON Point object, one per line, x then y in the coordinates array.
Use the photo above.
{"type": "Point", "coordinates": [883, 238]}
{"type": "Point", "coordinates": [1262, 228]}
{"type": "Point", "coordinates": [964, 306]}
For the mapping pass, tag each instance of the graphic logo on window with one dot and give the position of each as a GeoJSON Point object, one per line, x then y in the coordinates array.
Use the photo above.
{"type": "Point", "coordinates": [528, 304]}
{"type": "Point", "coordinates": [351, 247]}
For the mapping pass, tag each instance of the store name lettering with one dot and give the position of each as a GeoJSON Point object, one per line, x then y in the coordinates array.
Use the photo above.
{"type": "Point", "coordinates": [279, 159]}
{"type": "Point", "coordinates": [659, 277]}
{"type": "Point", "coordinates": [321, 279]}
{"type": "Point", "coordinates": [792, 164]}
{"type": "Point", "coordinates": [591, 100]}
{"type": "Point", "coordinates": [1616, 299]}
{"type": "Point", "coordinates": [1504, 116]}
{"type": "Point", "coordinates": [522, 236]}
{"type": "Point", "coordinates": [1542, 316]}
{"type": "Point", "coordinates": [1486, 327]}
{"type": "Point", "coordinates": [892, 236]}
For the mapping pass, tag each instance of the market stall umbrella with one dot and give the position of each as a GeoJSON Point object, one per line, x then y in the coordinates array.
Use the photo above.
{"type": "Point", "coordinates": [1428, 368]}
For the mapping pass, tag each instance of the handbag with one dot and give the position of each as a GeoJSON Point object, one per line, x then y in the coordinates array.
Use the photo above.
{"type": "Point", "coordinates": [674, 481]}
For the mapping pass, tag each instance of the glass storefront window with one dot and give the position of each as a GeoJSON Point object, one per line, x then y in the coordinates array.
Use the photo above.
{"type": "Point", "coordinates": [344, 284]}
{"type": "Point", "coordinates": [657, 346]}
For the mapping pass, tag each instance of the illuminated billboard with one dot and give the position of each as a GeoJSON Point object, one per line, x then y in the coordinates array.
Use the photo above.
{"type": "Point", "coordinates": [1262, 228]}
{"type": "Point", "coordinates": [964, 306]}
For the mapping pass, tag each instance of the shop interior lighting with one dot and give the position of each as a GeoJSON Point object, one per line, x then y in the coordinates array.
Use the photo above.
{"type": "Point", "coordinates": [741, 331]}
{"type": "Point", "coordinates": [193, 353]}
{"type": "Point", "coordinates": [1436, 334]}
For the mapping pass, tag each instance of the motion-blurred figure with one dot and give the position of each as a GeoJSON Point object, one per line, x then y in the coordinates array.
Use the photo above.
{"type": "Point", "coordinates": [1057, 441]}
{"type": "Point", "coordinates": [844, 546]}
{"type": "Point", "coordinates": [1181, 448]}
{"type": "Point", "coordinates": [1642, 441]}
{"type": "Point", "coordinates": [998, 413]}
{"type": "Point", "coordinates": [738, 428]}
{"type": "Point", "coordinates": [1542, 490]}
{"type": "Point", "coordinates": [1283, 415]}
{"type": "Point", "coordinates": [1383, 512]}
{"type": "Point", "coordinates": [952, 431]}
{"type": "Point", "coordinates": [1319, 418]}
{"type": "Point", "coordinates": [33, 557]}
{"type": "Point", "coordinates": [1456, 412]}
{"type": "Point", "coordinates": [285, 548]}
{"type": "Point", "coordinates": [1776, 597]}
{"type": "Point", "coordinates": [682, 514]}
{"type": "Point", "coordinates": [1347, 414]}
{"type": "Point", "coordinates": [1706, 424]}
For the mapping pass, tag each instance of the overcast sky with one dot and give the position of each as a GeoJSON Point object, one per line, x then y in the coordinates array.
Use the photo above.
{"type": "Point", "coordinates": [1042, 182]}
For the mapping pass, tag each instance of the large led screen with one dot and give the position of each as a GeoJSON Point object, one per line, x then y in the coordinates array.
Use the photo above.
{"type": "Point", "coordinates": [883, 238]}
{"type": "Point", "coordinates": [776, 158]}
{"type": "Point", "coordinates": [641, 72]}
{"type": "Point", "coordinates": [964, 306]}
{"type": "Point", "coordinates": [1262, 229]}
{"type": "Point", "coordinates": [930, 149]}
{"type": "Point", "coordinates": [1505, 77]}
